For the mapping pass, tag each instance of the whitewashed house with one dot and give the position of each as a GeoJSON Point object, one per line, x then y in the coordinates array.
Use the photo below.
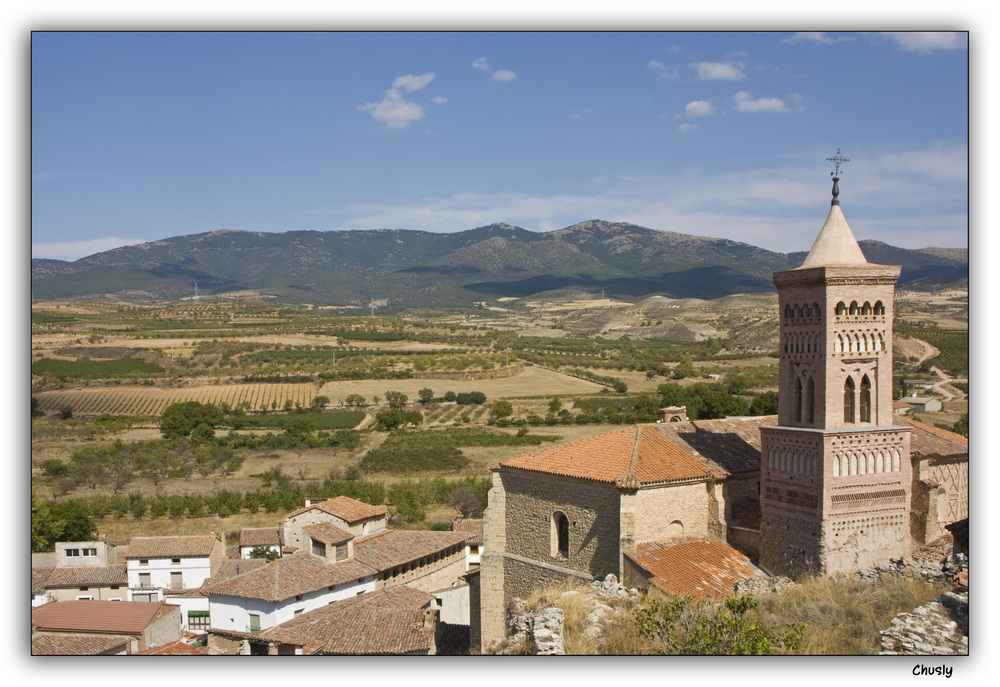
{"type": "Point", "coordinates": [155, 564]}
{"type": "Point", "coordinates": [474, 544]}
{"type": "Point", "coordinates": [252, 537]}
{"type": "Point", "coordinates": [284, 589]}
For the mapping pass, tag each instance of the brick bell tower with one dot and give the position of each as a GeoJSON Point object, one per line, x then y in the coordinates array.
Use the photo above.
{"type": "Point", "coordinates": [835, 471]}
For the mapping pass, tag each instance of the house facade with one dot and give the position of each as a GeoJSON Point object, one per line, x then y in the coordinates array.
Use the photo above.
{"type": "Point", "coordinates": [150, 624]}
{"type": "Point", "coordinates": [155, 564]}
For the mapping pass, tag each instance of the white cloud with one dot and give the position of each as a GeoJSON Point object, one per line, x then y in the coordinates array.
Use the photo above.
{"type": "Point", "coordinates": [664, 71]}
{"type": "Point", "coordinates": [699, 108]}
{"type": "Point", "coordinates": [744, 103]}
{"type": "Point", "coordinates": [928, 41]}
{"type": "Point", "coordinates": [412, 82]}
{"type": "Point", "coordinates": [687, 127]}
{"type": "Point", "coordinates": [395, 110]}
{"type": "Point", "coordinates": [496, 74]}
{"type": "Point", "coordinates": [718, 70]}
{"type": "Point", "coordinates": [580, 114]}
{"type": "Point", "coordinates": [439, 99]}
{"type": "Point", "coordinates": [74, 250]}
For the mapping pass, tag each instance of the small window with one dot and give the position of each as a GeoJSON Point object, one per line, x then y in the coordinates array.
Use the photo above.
{"type": "Point", "coordinates": [176, 580]}
{"type": "Point", "coordinates": [72, 553]}
{"type": "Point", "coordinates": [175, 561]}
{"type": "Point", "coordinates": [318, 548]}
{"type": "Point", "coordinates": [198, 620]}
{"type": "Point", "coordinates": [145, 582]}
{"type": "Point", "coordinates": [254, 622]}
{"type": "Point", "coordinates": [115, 586]}
{"type": "Point", "coordinates": [83, 589]}
{"type": "Point", "coordinates": [84, 598]}
{"type": "Point", "coordinates": [474, 548]}
{"type": "Point", "coordinates": [341, 552]}
{"type": "Point", "coordinates": [143, 561]}
{"type": "Point", "coordinates": [297, 612]}
{"type": "Point", "coordinates": [90, 552]}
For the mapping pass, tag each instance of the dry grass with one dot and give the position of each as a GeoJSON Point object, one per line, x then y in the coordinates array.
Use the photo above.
{"type": "Point", "coordinates": [845, 616]}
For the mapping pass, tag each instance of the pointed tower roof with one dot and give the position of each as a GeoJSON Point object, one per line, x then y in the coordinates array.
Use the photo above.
{"type": "Point", "coordinates": [835, 244]}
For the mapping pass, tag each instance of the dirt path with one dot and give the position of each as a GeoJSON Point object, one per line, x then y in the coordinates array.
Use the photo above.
{"type": "Point", "coordinates": [929, 351]}
{"type": "Point", "coordinates": [944, 387]}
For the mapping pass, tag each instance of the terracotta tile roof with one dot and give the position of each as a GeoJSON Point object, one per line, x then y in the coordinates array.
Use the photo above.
{"type": "Point", "coordinates": [117, 617]}
{"type": "Point", "coordinates": [347, 509]}
{"type": "Point", "coordinates": [654, 453]}
{"type": "Point", "coordinates": [59, 644]}
{"type": "Point", "coordinates": [327, 533]}
{"type": "Point", "coordinates": [39, 577]}
{"type": "Point", "coordinates": [747, 515]}
{"type": "Point", "coordinates": [928, 441]}
{"type": "Point", "coordinates": [454, 640]}
{"type": "Point", "coordinates": [177, 648]}
{"type": "Point", "coordinates": [473, 526]}
{"type": "Point", "coordinates": [388, 548]}
{"type": "Point", "coordinates": [237, 566]}
{"type": "Point", "coordinates": [259, 536]}
{"type": "Point", "coordinates": [76, 576]}
{"type": "Point", "coordinates": [699, 567]}
{"type": "Point", "coordinates": [388, 621]}
{"type": "Point", "coordinates": [300, 573]}
{"type": "Point", "coordinates": [233, 551]}
{"type": "Point", "coordinates": [165, 547]}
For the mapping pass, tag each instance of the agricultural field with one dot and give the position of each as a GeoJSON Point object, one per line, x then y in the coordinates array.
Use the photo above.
{"type": "Point", "coordinates": [141, 400]}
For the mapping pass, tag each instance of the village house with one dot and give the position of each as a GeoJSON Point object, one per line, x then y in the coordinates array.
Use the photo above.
{"type": "Point", "coordinates": [156, 564]}
{"type": "Point", "coordinates": [252, 537]}
{"type": "Point", "coordinates": [150, 624]}
{"type": "Point", "coordinates": [69, 644]}
{"type": "Point", "coordinates": [390, 621]}
{"type": "Point", "coordinates": [474, 544]}
{"type": "Point", "coordinates": [108, 583]}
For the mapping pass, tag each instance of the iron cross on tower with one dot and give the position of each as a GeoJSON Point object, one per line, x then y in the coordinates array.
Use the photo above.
{"type": "Point", "coordinates": [837, 160]}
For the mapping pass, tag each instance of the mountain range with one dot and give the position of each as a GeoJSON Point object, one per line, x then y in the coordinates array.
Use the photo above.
{"type": "Point", "coordinates": [405, 268]}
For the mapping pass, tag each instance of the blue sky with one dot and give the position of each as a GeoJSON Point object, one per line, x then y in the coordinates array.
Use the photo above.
{"type": "Point", "coordinates": [142, 136]}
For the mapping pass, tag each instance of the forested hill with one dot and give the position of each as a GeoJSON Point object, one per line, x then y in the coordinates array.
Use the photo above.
{"type": "Point", "coordinates": [417, 268]}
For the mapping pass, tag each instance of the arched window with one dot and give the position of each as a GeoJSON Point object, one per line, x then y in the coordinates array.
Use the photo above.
{"type": "Point", "coordinates": [675, 528]}
{"type": "Point", "coordinates": [866, 309]}
{"type": "Point", "coordinates": [816, 310]}
{"type": "Point", "coordinates": [841, 308]}
{"type": "Point", "coordinates": [839, 344]}
{"type": "Point", "coordinates": [849, 400]}
{"type": "Point", "coordinates": [797, 400]}
{"type": "Point", "coordinates": [879, 308]}
{"type": "Point", "coordinates": [808, 402]}
{"type": "Point", "coordinates": [788, 312]}
{"type": "Point", "coordinates": [866, 400]}
{"type": "Point", "coordinates": [854, 308]}
{"type": "Point", "coordinates": [560, 535]}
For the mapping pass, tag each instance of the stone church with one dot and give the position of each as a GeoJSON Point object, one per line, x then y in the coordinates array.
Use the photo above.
{"type": "Point", "coordinates": [834, 483]}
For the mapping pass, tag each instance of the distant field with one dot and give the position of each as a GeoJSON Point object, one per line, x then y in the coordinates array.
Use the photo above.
{"type": "Point", "coordinates": [532, 381]}
{"type": "Point", "coordinates": [137, 400]}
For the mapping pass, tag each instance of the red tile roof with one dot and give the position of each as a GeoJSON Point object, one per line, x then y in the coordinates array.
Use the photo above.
{"type": "Point", "coordinates": [39, 577]}
{"type": "Point", "coordinates": [237, 566]}
{"type": "Point", "coordinates": [473, 526]}
{"type": "Point", "coordinates": [699, 567]}
{"type": "Point", "coordinates": [388, 621]}
{"type": "Point", "coordinates": [327, 533]}
{"type": "Point", "coordinates": [118, 617]}
{"type": "Point", "coordinates": [347, 509]}
{"type": "Point", "coordinates": [177, 648]}
{"type": "Point", "coordinates": [928, 441]}
{"type": "Point", "coordinates": [388, 548]}
{"type": "Point", "coordinates": [259, 536]}
{"type": "Point", "coordinates": [77, 576]}
{"type": "Point", "coordinates": [60, 644]}
{"type": "Point", "coordinates": [300, 573]}
{"type": "Point", "coordinates": [166, 547]}
{"type": "Point", "coordinates": [655, 453]}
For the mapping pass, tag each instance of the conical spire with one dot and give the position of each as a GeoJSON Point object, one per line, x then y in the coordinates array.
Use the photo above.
{"type": "Point", "coordinates": [835, 244]}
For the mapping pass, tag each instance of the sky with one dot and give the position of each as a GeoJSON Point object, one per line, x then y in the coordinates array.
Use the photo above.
{"type": "Point", "coordinates": [142, 136]}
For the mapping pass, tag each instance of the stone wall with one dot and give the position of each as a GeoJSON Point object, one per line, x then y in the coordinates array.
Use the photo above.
{"type": "Point", "coordinates": [669, 511]}
{"type": "Point", "coordinates": [940, 496]}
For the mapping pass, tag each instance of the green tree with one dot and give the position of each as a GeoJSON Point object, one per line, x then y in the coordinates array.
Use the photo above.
{"type": "Point", "coordinates": [320, 401]}
{"type": "Point", "coordinates": [685, 627]}
{"type": "Point", "coordinates": [555, 405]}
{"type": "Point", "coordinates": [299, 426]}
{"type": "Point", "coordinates": [426, 395]}
{"type": "Point", "coordinates": [765, 404]}
{"type": "Point", "coordinates": [502, 409]}
{"type": "Point", "coordinates": [685, 368]}
{"type": "Point", "coordinates": [356, 400]}
{"type": "Point", "coordinates": [620, 386]}
{"type": "Point", "coordinates": [180, 419]}
{"type": "Point", "coordinates": [396, 399]}
{"type": "Point", "coordinates": [46, 528]}
{"type": "Point", "coordinates": [962, 426]}
{"type": "Point", "coordinates": [265, 552]}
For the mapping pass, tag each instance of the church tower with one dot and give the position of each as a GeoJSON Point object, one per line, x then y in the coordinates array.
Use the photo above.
{"type": "Point", "coordinates": [835, 471]}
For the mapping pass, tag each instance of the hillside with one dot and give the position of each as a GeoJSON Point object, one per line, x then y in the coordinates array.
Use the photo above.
{"type": "Point", "coordinates": [422, 269]}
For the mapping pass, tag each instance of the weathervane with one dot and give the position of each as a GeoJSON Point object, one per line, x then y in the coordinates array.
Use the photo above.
{"type": "Point", "coordinates": [837, 160]}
